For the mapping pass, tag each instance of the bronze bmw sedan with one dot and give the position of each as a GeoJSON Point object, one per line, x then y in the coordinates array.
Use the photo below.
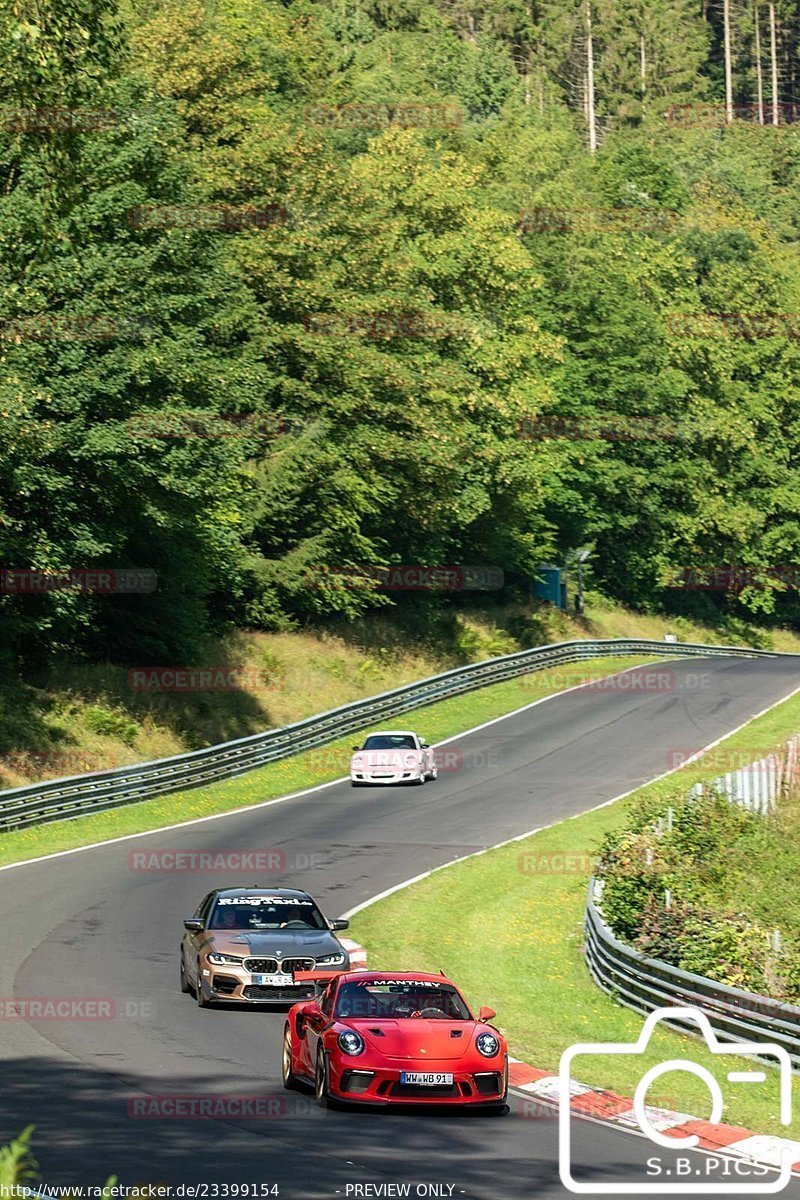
{"type": "Point", "coordinates": [247, 944]}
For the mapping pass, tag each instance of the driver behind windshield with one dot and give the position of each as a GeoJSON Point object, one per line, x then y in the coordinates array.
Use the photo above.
{"type": "Point", "coordinates": [244, 914]}
{"type": "Point", "coordinates": [400, 1002]}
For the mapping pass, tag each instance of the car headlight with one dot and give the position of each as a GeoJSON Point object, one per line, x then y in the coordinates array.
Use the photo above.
{"type": "Point", "coordinates": [219, 960]}
{"type": "Point", "coordinates": [331, 960]}
{"type": "Point", "coordinates": [351, 1042]}
{"type": "Point", "coordinates": [487, 1044]}
{"type": "Point", "coordinates": [410, 760]}
{"type": "Point", "coordinates": [357, 762]}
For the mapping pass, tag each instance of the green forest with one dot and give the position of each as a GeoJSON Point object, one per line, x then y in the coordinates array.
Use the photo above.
{"type": "Point", "coordinates": [291, 290]}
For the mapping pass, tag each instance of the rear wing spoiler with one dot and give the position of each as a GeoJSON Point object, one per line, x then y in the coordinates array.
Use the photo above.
{"type": "Point", "coordinates": [320, 977]}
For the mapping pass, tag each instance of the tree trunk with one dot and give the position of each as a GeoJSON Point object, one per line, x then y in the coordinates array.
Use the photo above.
{"type": "Point", "coordinates": [642, 66]}
{"type": "Point", "coordinates": [726, 27]}
{"type": "Point", "coordinates": [590, 111]}
{"type": "Point", "coordinates": [759, 75]}
{"type": "Point", "coordinates": [773, 57]}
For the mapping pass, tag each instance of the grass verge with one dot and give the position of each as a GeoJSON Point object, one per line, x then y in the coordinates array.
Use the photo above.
{"type": "Point", "coordinates": [521, 908]}
{"type": "Point", "coordinates": [436, 721]}
{"type": "Point", "coordinates": [71, 717]}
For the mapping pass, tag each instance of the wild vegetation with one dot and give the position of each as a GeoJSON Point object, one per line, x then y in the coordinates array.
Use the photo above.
{"type": "Point", "coordinates": [389, 365]}
{"type": "Point", "coordinates": [708, 889]}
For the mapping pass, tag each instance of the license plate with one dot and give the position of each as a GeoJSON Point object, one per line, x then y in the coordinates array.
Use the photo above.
{"type": "Point", "coordinates": [272, 980]}
{"type": "Point", "coordinates": [426, 1078]}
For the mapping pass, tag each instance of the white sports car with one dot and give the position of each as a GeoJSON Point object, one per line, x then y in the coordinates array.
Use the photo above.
{"type": "Point", "coordinates": [393, 756]}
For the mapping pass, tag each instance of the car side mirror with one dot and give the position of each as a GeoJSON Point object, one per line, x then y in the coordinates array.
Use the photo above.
{"type": "Point", "coordinates": [424, 745]}
{"type": "Point", "coordinates": [306, 1011]}
{"type": "Point", "coordinates": [194, 925]}
{"type": "Point", "coordinates": [339, 923]}
{"type": "Point", "coordinates": [486, 1013]}
{"type": "Point", "coordinates": [356, 747]}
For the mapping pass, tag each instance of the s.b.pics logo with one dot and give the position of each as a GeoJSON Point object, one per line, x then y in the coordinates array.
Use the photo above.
{"type": "Point", "coordinates": [673, 1171]}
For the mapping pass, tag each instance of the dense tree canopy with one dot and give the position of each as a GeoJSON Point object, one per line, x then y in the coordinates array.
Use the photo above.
{"type": "Point", "coordinates": [401, 369]}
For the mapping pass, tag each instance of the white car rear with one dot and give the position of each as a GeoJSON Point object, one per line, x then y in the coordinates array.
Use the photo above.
{"type": "Point", "coordinates": [392, 756]}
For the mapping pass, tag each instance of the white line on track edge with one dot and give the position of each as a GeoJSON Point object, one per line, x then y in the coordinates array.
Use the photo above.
{"type": "Point", "coordinates": [520, 837]}
{"type": "Point", "coordinates": [475, 854]}
{"type": "Point", "coordinates": [232, 812]}
{"type": "Point", "coordinates": [628, 1132]}
{"type": "Point", "coordinates": [540, 828]}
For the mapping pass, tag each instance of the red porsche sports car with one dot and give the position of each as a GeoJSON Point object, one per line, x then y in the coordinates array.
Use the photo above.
{"type": "Point", "coordinates": [395, 1037]}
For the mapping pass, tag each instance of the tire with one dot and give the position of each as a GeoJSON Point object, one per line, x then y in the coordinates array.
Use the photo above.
{"type": "Point", "coordinates": [496, 1110]}
{"type": "Point", "coordinates": [185, 988]}
{"type": "Point", "coordinates": [420, 780]}
{"type": "Point", "coordinates": [287, 1076]}
{"type": "Point", "coordinates": [199, 993]}
{"type": "Point", "coordinates": [321, 1093]}
{"type": "Point", "coordinates": [433, 773]}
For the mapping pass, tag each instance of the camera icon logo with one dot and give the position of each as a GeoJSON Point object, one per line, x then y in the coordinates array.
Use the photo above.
{"type": "Point", "coordinates": [731, 1050]}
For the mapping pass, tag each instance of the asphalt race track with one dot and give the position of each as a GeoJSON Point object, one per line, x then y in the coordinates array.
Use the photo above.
{"type": "Point", "coordinates": [86, 924]}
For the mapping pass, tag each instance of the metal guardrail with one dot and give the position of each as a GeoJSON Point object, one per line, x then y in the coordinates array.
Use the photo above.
{"type": "Point", "coordinates": [77, 795]}
{"type": "Point", "coordinates": [645, 984]}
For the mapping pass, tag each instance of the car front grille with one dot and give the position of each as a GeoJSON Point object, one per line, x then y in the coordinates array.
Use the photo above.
{"type": "Point", "coordinates": [277, 966]}
{"type": "Point", "coordinates": [262, 966]}
{"type": "Point", "coordinates": [289, 994]}
{"type": "Point", "coordinates": [298, 964]}
{"type": "Point", "coordinates": [409, 1091]}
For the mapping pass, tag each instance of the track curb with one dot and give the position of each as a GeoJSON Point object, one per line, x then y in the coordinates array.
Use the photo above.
{"type": "Point", "coordinates": [764, 1149]}
{"type": "Point", "coordinates": [600, 1105]}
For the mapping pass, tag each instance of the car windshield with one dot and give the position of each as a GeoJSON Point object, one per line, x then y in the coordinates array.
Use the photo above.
{"type": "Point", "coordinates": [390, 741]}
{"type": "Point", "coordinates": [398, 999]}
{"type": "Point", "coordinates": [266, 912]}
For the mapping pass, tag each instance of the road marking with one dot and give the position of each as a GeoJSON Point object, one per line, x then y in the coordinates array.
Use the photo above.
{"type": "Point", "coordinates": [398, 887]}
{"type": "Point", "coordinates": [232, 812]}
